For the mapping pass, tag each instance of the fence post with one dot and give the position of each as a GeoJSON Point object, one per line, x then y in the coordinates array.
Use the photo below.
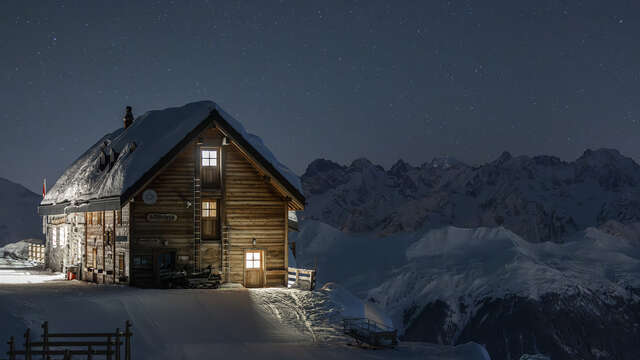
{"type": "Point", "coordinates": [67, 354]}
{"type": "Point", "coordinates": [45, 340]}
{"type": "Point", "coordinates": [118, 344]}
{"type": "Point", "coordinates": [12, 353]}
{"type": "Point", "coordinates": [90, 351]}
{"type": "Point", "coordinates": [27, 344]}
{"type": "Point", "coordinates": [109, 347]}
{"type": "Point", "coordinates": [127, 341]}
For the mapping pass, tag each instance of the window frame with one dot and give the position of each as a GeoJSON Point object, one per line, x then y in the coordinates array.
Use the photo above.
{"type": "Point", "coordinates": [212, 214]}
{"type": "Point", "coordinates": [54, 235]}
{"type": "Point", "coordinates": [208, 158]}
{"type": "Point", "coordinates": [253, 263]}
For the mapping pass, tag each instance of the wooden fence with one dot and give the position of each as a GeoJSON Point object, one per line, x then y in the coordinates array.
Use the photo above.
{"type": "Point", "coordinates": [370, 332]}
{"type": "Point", "coordinates": [36, 253]}
{"type": "Point", "coordinates": [301, 279]}
{"type": "Point", "coordinates": [89, 345]}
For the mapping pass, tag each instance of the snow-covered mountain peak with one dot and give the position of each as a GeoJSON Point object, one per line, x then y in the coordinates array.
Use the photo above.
{"type": "Point", "coordinates": [18, 217]}
{"type": "Point", "coordinates": [601, 156]}
{"type": "Point", "coordinates": [503, 158]}
{"type": "Point", "coordinates": [362, 164]}
{"type": "Point", "coordinates": [401, 167]}
{"type": "Point", "coordinates": [444, 162]}
{"type": "Point", "coordinates": [322, 165]}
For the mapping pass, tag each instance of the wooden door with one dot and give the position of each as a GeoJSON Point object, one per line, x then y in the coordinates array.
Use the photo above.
{"type": "Point", "coordinates": [210, 168]}
{"type": "Point", "coordinates": [121, 265]}
{"type": "Point", "coordinates": [253, 268]}
{"type": "Point", "coordinates": [209, 218]}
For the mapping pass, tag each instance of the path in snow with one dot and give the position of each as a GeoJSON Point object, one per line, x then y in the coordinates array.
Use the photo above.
{"type": "Point", "coordinates": [15, 271]}
{"type": "Point", "coordinates": [193, 324]}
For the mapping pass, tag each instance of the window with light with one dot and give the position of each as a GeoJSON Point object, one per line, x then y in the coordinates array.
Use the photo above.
{"type": "Point", "coordinates": [209, 158]}
{"type": "Point", "coordinates": [209, 209]}
{"type": "Point", "coordinates": [253, 260]}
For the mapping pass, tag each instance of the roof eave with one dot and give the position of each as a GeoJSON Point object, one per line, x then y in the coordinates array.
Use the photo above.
{"type": "Point", "coordinates": [104, 204]}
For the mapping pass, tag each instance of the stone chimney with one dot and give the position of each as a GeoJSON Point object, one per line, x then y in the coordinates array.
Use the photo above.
{"type": "Point", "coordinates": [128, 118]}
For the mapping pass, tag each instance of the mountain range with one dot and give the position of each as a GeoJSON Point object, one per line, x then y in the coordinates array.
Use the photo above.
{"type": "Point", "coordinates": [540, 198]}
{"type": "Point", "coordinates": [525, 255]}
{"type": "Point", "coordinates": [18, 214]}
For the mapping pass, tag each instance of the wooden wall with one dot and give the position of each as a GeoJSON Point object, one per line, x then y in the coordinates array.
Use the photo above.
{"type": "Point", "coordinates": [253, 209]}
{"type": "Point", "coordinates": [174, 188]}
{"type": "Point", "coordinates": [96, 226]}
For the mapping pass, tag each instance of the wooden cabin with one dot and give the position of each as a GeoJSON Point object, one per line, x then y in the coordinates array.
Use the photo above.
{"type": "Point", "coordinates": [178, 189]}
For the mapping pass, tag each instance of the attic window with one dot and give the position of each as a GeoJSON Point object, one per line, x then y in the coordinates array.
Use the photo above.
{"type": "Point", "coordinates": [209, 209]}
{"type": "Point", "coordinates": [209, 158]}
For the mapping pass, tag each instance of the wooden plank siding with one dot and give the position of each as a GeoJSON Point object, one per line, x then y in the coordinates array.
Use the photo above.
{"type": "Point", "coordinates": [253, 210]}
{"type": "Point", "coordinates": [101, 250]}
{"type": "Point", "coordinates": [174, 187]}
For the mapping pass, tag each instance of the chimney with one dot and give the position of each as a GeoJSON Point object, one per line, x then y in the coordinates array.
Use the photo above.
{"type": "Point", "coordinates": [128, 118]}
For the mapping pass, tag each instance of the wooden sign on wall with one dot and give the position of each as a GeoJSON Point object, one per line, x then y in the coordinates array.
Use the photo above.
{"type": "Point", "coordinates": [160, 217]}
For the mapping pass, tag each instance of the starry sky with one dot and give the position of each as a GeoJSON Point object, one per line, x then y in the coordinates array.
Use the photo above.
{"type": "Point", "coordinates": [335, 79]}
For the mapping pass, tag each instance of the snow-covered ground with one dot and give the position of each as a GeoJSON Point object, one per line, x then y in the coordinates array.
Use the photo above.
{"type": "Point", "coordinates": [15, 271]}
{"type": "Point", "coordinates": [202, 324]}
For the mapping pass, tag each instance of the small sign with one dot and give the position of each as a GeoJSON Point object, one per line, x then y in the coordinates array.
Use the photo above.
{"type": "Point", "coordinates": [159, 217]}
{"type": "Point", "coordinates": [121, 239]}
{"type": "Point", "coordinates": [58, 220]}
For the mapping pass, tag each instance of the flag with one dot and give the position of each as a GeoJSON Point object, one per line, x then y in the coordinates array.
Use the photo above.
{"type": "Point", "coordinates": [44, 188]}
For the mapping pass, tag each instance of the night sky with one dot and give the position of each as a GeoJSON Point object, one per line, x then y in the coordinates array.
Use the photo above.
{"type": "Point", "coordinates": [380, 79]}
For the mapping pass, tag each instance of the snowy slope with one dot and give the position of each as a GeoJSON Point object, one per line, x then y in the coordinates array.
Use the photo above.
{"type": "Point", "coordinates": [453, 265]}
{"type": "Point", "coordinates": [488, 285]}
{"type": "Point", "coordinates": [139, 147]}
{"type": "Point", "coordinates": [540, 198]}
{"type": "Point", "coordinates": [319, 314]}
{"type": "Point", "coordinates": [197, 324]}
{"type": "Point", "coordinates": [18, 217]}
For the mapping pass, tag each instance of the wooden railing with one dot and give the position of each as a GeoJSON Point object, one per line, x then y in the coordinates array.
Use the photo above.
{"type": "Point", "coordinates": [370, 332]}
{"type": "Point", "coordinates": [88, 345]}
{"type": "Point", "coordinates": [36, 252]}
{"type": "Point", "coordinates": [301, 279]}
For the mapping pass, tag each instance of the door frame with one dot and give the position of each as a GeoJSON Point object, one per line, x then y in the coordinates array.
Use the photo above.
{"type": "Point", "coordinates": [263, 265]}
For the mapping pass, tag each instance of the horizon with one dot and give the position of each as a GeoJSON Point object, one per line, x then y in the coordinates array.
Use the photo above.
{"type": "Point", "coordinates": [387, 168]}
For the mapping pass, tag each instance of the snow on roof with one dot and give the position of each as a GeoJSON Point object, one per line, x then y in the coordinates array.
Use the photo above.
{"type": "Point", "coordinates": [138, 149]}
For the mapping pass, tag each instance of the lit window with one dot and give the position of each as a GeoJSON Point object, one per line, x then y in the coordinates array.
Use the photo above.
{"type": "Point", "coordinates": [253, 260]}
{"type": "Point", "coordinates": [209, 209]}
{"type": "Point", "coordinates": [62, 240]}
{"type": "Point", "coordinates": [209, 158]}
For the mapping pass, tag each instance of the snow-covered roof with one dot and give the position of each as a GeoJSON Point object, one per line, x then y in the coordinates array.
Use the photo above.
{"type": "Point", "coordinates": [139, 147]}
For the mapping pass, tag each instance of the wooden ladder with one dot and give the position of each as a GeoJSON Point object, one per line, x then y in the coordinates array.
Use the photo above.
{"type": "Point", "coordinates": [197, 222]}
{"type": "Point", "coordinates": [226, 248]}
